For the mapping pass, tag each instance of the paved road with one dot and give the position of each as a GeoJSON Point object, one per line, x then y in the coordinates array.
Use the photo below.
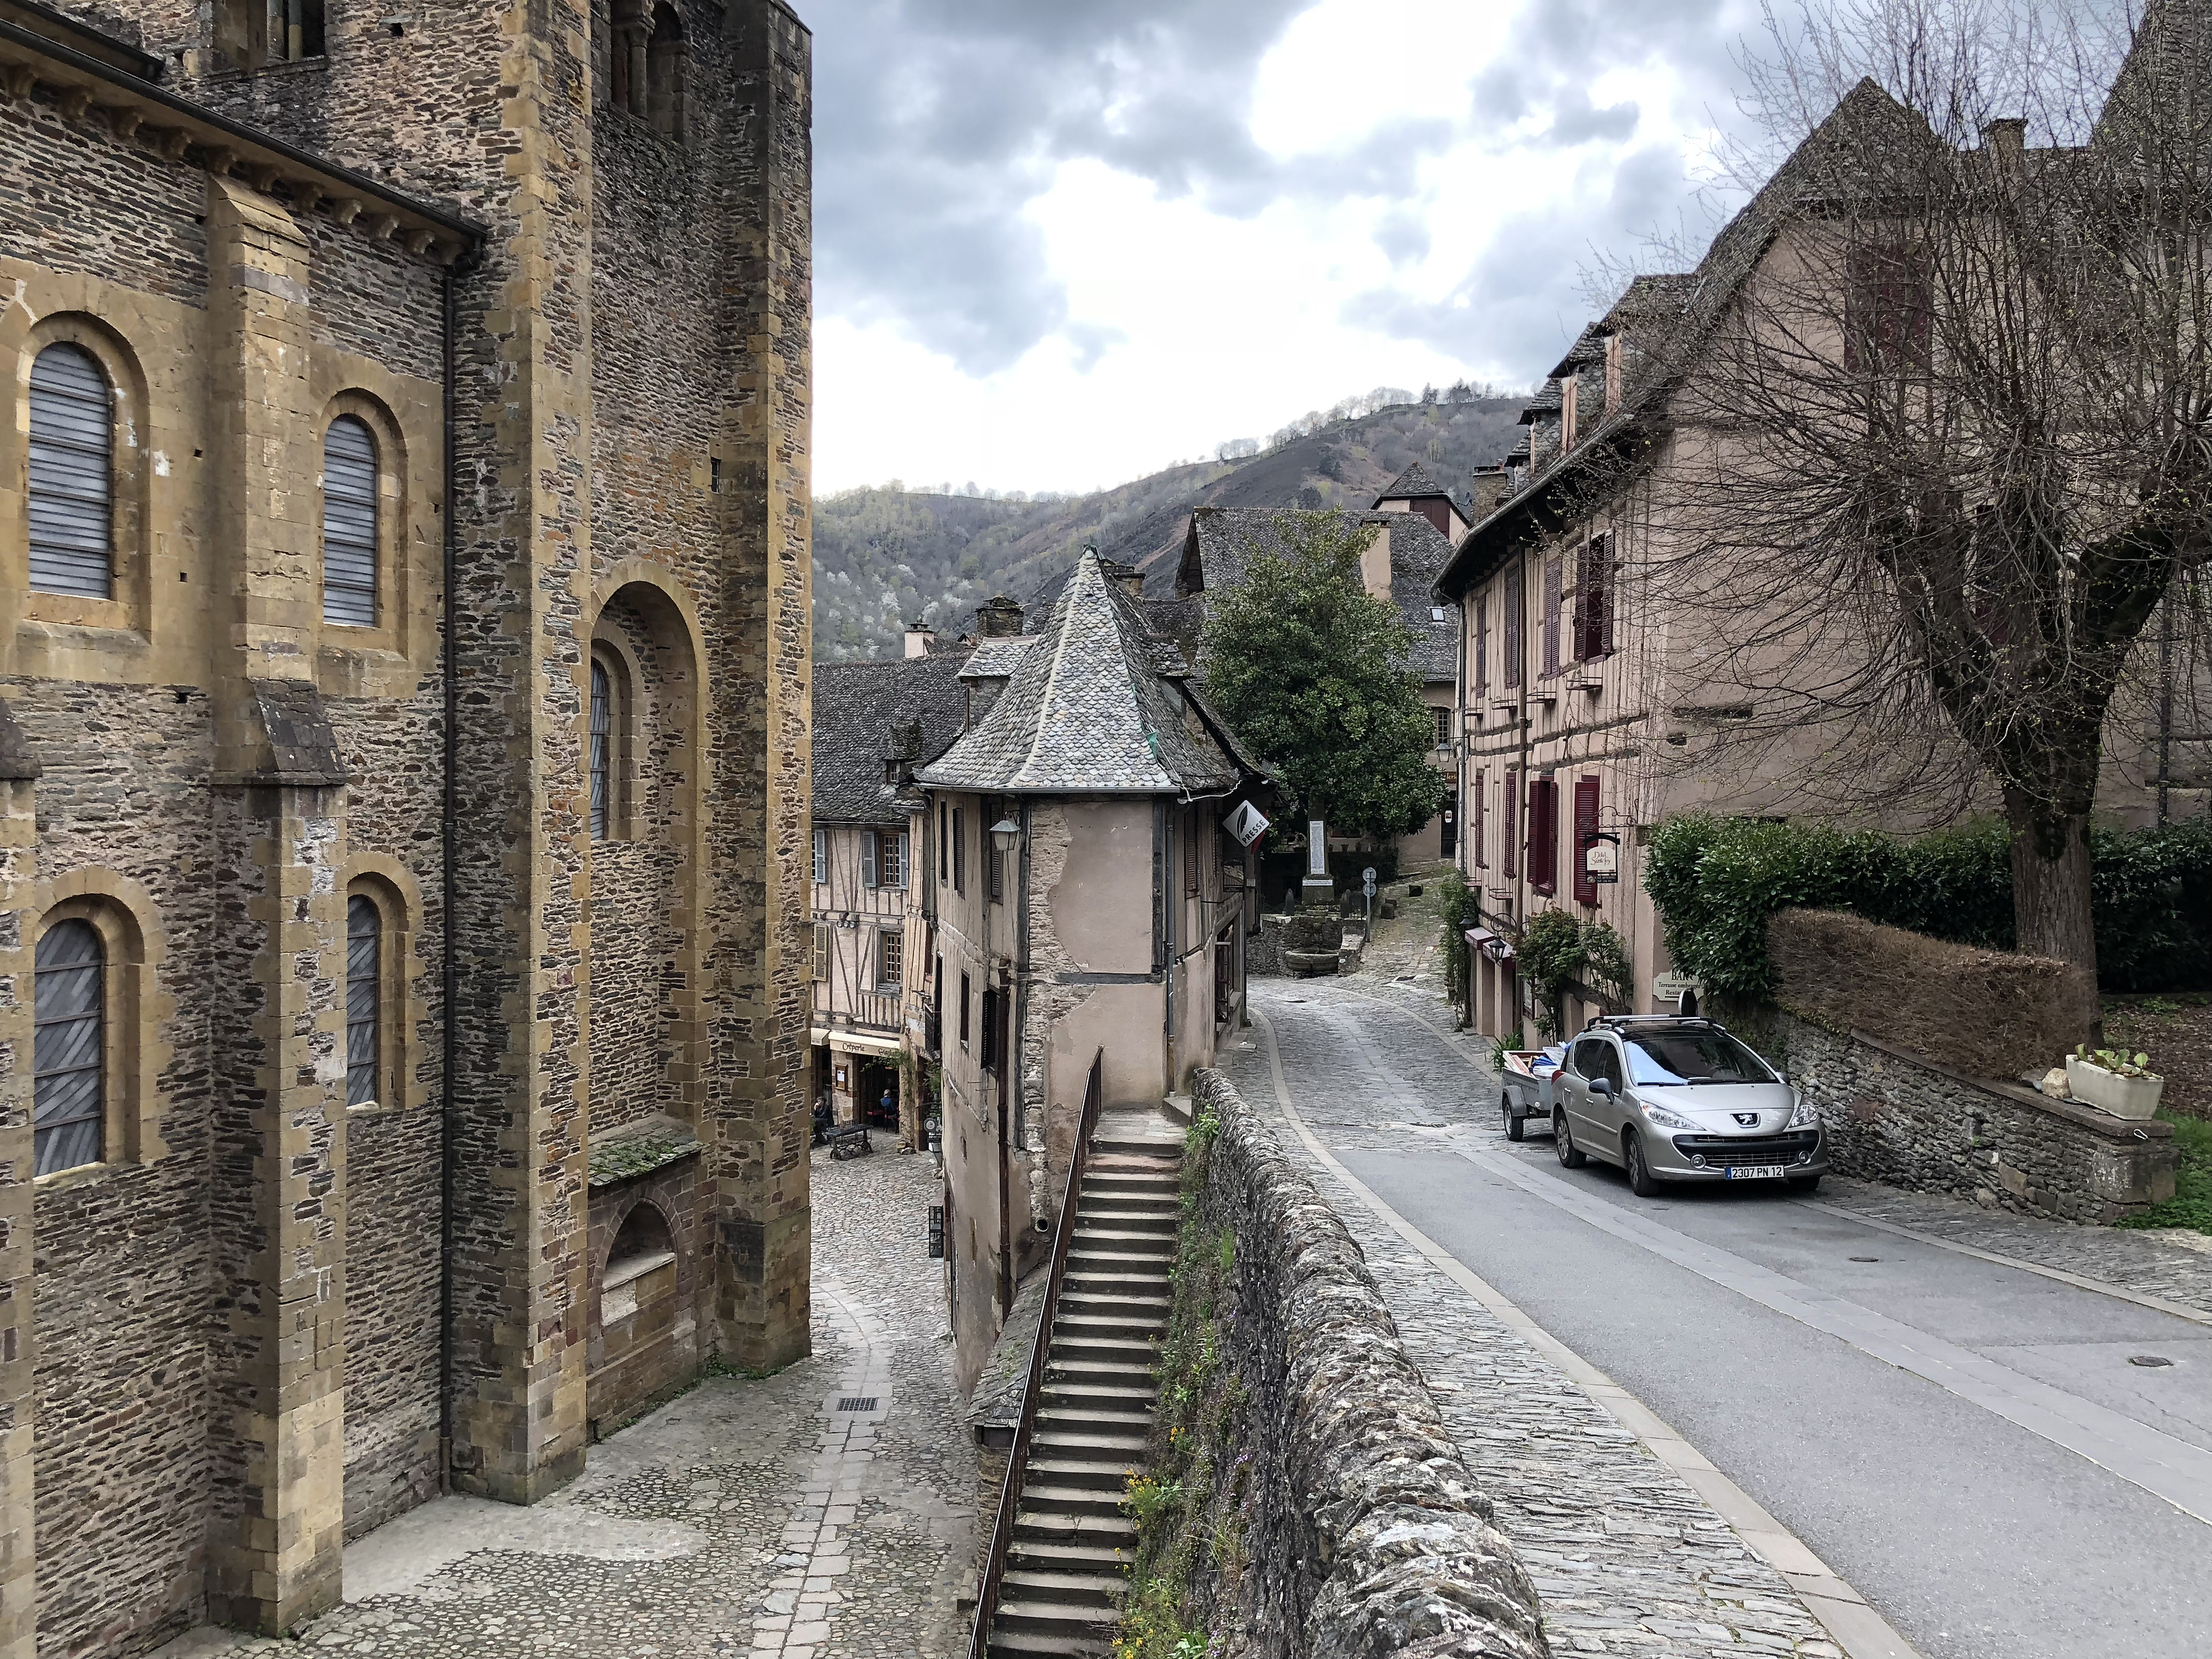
{"type": "Point", "coordinates": [1966, 1442]}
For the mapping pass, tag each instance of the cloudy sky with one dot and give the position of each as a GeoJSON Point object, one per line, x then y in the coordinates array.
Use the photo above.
{"type": "Point", "coordinates": [1060, 243]}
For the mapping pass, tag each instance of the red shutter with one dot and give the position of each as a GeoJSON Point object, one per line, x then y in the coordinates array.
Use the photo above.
{"type": "Point", "coordinates": [1474, 824]}
{"type": "Point", "coordinates": [1512, 839]}
{"type": "Point", "coordinates": [1602, 578]}
{"type": "Point", "coordinates": [1544, 835]}
{"type": "Point", "coordinates": [1585, 827]}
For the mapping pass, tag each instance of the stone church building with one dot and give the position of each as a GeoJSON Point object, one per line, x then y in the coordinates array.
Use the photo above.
{"type": "Point", "coordinates": [403, 750]}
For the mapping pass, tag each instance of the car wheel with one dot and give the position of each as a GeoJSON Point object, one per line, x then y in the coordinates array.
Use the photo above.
{"type": "Point", "coordinates": [1571, 1157]}
{"type": "Point", "coordinates": [1516, 1127]}
{"type": "Point", "coordinates": [1805, 1184]}
{"type": "Point", "coordinates": [1641, 1181]}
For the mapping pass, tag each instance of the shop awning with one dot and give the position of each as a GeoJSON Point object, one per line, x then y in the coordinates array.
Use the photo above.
{"type": "Point", "coordinates": [1489, 943]}
{"type": "Point", "coordinates": [856, 1042]}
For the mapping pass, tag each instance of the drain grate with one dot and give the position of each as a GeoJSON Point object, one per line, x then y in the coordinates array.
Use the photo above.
{"type": "Point", "coordinates": [857, 1402]}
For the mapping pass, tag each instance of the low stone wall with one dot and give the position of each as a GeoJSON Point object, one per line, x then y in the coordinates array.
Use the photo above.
{"type": "Point", "coordinates": [1363, 1532]}
{"type": "Point", "coordinates": [1263, 953]}
{"type": "Point", "coordinates": [1903, 1120]}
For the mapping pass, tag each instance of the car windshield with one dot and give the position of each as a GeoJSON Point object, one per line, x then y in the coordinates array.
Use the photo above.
{"type": "Point", "coordinates": [1685, 1058]}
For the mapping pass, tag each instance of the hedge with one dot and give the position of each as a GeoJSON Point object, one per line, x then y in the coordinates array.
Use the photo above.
{"type": "Point", "coordinates": [1715, 881]}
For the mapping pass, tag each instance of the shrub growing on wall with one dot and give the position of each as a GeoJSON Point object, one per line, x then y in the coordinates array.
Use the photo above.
{"type": "Point", "coordinates": [1715, 881]}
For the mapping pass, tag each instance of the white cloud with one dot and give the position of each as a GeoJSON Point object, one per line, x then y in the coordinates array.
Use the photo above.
{"type": "Point", "coordinates": [1186, 322]}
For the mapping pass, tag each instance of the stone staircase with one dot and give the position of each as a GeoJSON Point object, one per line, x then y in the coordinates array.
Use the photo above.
{"type": "Point", "coordinates": [1072, 1543]}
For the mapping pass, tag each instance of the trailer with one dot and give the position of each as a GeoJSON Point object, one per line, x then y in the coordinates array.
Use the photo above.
{"type": "Point", "coordinates": [1530, 1087]}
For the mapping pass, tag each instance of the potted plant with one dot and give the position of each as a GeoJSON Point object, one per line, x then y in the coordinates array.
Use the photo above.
{"type": "Point", "coordinates": [2115, 1082]}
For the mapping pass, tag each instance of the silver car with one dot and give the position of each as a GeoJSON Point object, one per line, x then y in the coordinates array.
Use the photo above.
{"type": "Point", "coordinates": [1670, 1098]}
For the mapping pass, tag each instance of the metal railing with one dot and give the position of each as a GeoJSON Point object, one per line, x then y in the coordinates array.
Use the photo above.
{"type": "Point", "coordinates": [1010, 1490]}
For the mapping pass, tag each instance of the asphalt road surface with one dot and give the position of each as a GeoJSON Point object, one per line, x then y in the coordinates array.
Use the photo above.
{"type": "Point", "coordinates": [1968, 1444]}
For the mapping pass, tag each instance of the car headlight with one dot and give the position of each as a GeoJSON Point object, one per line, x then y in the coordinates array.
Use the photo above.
{"type": "Point", "coordinates": [1666, 1119]}
{"type": "Point", "coordinates": [1804, 1116]}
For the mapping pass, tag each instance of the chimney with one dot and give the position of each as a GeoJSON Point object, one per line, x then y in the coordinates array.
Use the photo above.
{"type": "Point", "coordinates": [2006, 142]}
{"type": "Point", "coordinates": [918, 639]}
{"type": "Point", "coordinates": [998, 619]}
{"type": "Point", "coordinates": [1493, 484]}
{"type": "Point", "coordinates": [1375, 564]}
{"type": "Point", "coordinates": [1127, 577]}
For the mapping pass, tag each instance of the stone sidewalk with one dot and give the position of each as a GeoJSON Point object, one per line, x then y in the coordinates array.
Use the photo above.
{"type": "Point", "coordinates": [823, 1513]}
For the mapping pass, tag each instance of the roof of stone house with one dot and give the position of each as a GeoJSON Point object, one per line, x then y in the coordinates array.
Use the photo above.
{"type": "Point", "coordinates": [1589, 348]}
{"type": "Point", "coordinates": [1412, 485]}
{"type": "Point", "coordinates": [1182, 620]}
{"type": "Point", "coordinates": [1224, 541]}
{"type": "Point", "coordinates": [996, 659]}
{"type": "Point", "coordinates": [867, 713]}
{"type": "Point", "coordinates": [1088, 712]}
{"type": "Point", "coordinates": [1686, 308]}
{"type": "Point", "coordinates": [639, 1148]}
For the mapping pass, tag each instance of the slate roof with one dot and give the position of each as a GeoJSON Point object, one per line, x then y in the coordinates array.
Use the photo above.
{"type": "Point", "coordinates": [996, 659]}
{"type": "Point", "coordinates": [868, 713]}
{"type": "Point", "coordinates": [1227, 538]}
{"type": "Point", "coordinates": [1088, 713]}
{"type": "Point", "coordinates": [1412, 484]}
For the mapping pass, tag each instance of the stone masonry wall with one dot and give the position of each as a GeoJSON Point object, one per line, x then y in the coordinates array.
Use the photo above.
{"type": "Point", "coordinates": [1365, 1534]}
{"type": "Point", "coordinates": [1903, 1121]}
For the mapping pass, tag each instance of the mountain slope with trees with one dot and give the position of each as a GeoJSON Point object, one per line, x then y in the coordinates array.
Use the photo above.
{"type": "Point", "coordinates": [883, 556]}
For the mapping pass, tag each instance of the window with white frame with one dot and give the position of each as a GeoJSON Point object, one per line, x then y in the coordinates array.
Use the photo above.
{"type": "Point", "coordinates": [821, 855]}
{"type": "Point", "coordinates": [890, 958]}
{"type": "Point", "coordinates": [890, 870]}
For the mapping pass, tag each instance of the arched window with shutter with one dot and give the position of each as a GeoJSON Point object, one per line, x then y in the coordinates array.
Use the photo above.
{"type": "Point", "coordinates": [72, 475]}
{"type": "Point", "coordinates": [69, 1047]}
{"type": "Point", "coordinates": [349, 522]}
{"type": "Point", "coordinates": [364, 1000]}
{"type": "Point", "coordinates": [602, 749]}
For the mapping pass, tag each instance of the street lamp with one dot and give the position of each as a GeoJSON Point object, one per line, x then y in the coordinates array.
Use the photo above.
{"type": "Point", "coordinates": [1005, 834]}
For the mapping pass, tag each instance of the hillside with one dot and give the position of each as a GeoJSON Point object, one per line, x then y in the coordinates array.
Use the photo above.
{"type": "Point", "coordinates": [884, 555]}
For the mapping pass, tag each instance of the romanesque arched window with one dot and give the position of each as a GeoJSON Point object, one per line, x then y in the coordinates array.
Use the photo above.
{"type": "Point", "coordinates": [602, 755]}
{"type": "Point", "coordinates": [364, 1000]}
{"type": "Point", "coordinates": [349, 522]}
{"type": "Point", "coordinates": [69, 1049]}
{"type": "Point", "coordinates": [71, 474]}
{"type": "Point", "coordinates": [665, 63]}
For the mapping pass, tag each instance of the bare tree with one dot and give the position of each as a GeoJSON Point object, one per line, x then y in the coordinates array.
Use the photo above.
{"type": "Point", "coordinates": [1940, 409]}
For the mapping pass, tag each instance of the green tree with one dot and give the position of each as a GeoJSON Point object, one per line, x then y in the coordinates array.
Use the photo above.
{"type": "Point", "coordinates": [1315, 674]}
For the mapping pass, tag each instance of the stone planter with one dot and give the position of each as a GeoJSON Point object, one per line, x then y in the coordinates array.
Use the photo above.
{"type": "Point", "coordinates": [2123, 1096]}
{"type": "Point", "coordinates": [1309, 964]}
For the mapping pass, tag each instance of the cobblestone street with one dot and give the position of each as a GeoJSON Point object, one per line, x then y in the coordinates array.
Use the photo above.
{"type": "Point", "coordinates": [785, 1516]}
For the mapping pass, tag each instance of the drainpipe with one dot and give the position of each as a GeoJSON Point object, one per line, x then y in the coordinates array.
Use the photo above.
{"type": "Point", "coordinates": [449, 966]}
{"type": "Point", "coordinates": [1020, 1015]}
{"type": "Point", "coordinates": [2165, 705]}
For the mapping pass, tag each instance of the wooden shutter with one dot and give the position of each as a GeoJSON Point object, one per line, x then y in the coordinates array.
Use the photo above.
{"type": "Point", "coordinates": [821, 951]}
{"type": "Point", "coordinates": [1601, 578]}
{"type": "Point", "coordinates": [869, 849]}
{"type": "Point", "coordinates": [71, 474]}
{"type": "Point", "coordinates": [1551, 574]}
{"type": "Point", "coordinates": [821, 855]}
{"type": "Point", "coordinates": [1517, 602]}
{"type": "Point", "coordinates": [1511, 847]}
{"type": "Point", "coordinates": [1479, 607]}
{"type": "Point", "coordinates": [1475, 825]}
{"type": "Point", "coordinates": [1544, 835]}
{"type": "Point", "coordinates": [350, 524]}
{"type": "Point", "coordinates": [1585, 827]}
